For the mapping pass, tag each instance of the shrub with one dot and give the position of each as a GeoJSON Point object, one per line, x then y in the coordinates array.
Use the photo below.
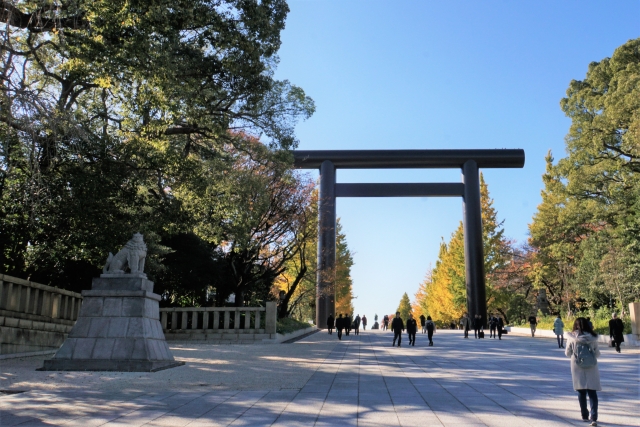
{"type": "Point", "coordinates": [288, 325]}
{"type": "Point", "coordinates": [600, 320]}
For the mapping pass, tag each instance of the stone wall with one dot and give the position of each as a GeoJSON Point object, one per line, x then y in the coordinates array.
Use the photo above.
{"type": "Point", "coordinates": [34, 318]}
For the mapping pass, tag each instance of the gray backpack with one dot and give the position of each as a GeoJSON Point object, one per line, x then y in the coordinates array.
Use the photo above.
{"type": "Point", "coordinates": [585, 357]}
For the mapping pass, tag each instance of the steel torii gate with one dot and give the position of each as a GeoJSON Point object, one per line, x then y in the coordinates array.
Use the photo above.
{"type": "Point", "coordinates": [469, 161]}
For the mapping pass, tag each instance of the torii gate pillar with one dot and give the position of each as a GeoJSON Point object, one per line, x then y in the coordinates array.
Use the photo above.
{"type": "Point", "coordinates": [326, 275]}
{"type": "Point", "coordinates": [473, 245]}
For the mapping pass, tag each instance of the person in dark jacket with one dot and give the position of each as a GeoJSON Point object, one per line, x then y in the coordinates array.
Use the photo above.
{"type": "Point", "coordinates": [533, 323]}
{"type": "Point", "coordinates": [616, 331]}
{"type": "Point", "coordinates": [465, 322]}
{"type": "Point", "coordinates": [340, 325]}
{"type": "Point", "coordinates": [412, 329]}
{"type": "Point", "coordinates": [397, 326]}
{"type": "Point", "coordinates": [347, 324]}
{"type": "Point", "coordinates": [356, 325]}
{"type": "Point", "coordinates": [493, 324]}
{"type": "Point", "coordinates": [423, 322]}
{"type": "Point", "coordinates": [385, 322]}
{"type": "Point", "coordinates": [364, 322]}
{"type": "Point", "coordinates": [431, 329]}
{"type": "Point", "coordinates": [500, 327]}
{"type": "Point", "coordinates": [330, 323]}
{"type": "Point", "coordinates": [477, 324]}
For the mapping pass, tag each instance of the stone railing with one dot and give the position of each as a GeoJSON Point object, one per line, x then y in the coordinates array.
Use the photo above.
{"type": "Point", "coordinates": [34, 318]}
{"type": "Point", "coordinates": [219, 324]}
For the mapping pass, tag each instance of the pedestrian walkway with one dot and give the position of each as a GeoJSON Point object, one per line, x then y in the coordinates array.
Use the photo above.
{"type": "Point", "coordinates": [320, 381]}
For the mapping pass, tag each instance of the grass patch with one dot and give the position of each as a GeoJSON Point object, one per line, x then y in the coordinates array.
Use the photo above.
{"type": "Point", "coordinates": [288, 325]}
{"type": "Point", "coordinates": [600, 325]}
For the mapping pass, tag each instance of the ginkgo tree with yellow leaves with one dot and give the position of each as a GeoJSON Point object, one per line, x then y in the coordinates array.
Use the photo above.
{"type": "Point", "coordinates": [442, 295]}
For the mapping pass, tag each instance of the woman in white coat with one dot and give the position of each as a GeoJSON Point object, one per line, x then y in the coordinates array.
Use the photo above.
{"type": "Point", "coordinates": [582, 348]}
{"type": "Point", "coordinates": [558, 329]}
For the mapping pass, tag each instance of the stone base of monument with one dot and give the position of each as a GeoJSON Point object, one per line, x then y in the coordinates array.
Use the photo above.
{"type": "Point", "coordinates": [118, 329]}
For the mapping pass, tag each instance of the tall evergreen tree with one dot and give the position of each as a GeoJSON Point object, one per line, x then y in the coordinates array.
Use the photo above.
{"type": "Point", "coordinates": [554, 231]}
{"type": "Point", "coordinates": [602, 172]}
{"type": "Point", "coordinates": [443, 294]}
{"type": "Point", "coordinates": [344, 284]}
{"type": "Point", "coordinates": [404, 307]}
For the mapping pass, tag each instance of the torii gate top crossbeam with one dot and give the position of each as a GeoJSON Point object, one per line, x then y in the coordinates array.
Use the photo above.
{"type": "Point", "coordinates": [409, 159]}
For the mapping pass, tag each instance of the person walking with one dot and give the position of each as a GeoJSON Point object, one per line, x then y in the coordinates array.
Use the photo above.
{"type": "Point", "coordinates": [616, 331]}
{"type": "Point", "coordinates": [465, 322]}
{"type": "Point", "coordinates": [347, 324]}
{"type": "Point", "coordinates": [558, 329]}
{"type": "Point", "coordinates": [385, 321]}
{"type": "Point", "coordinates": [500, 327]}
{"type": "Point", "coordinates": [533, 323]}
{"type": "Point", "coordinates": [397, 326]}
{"type": "Point", "coordinates": [493, 324]}
{"type": "Point", "coordinates": [582, 348]}
{"type": "Point", "coordinates": [423, 321]}
{"type": "Point", "coordinates": [364, 322]}
{"type": "Point", "coordinates": [340, 325]}
{"type": "Point", "coordinates": [356, 325]}
{"type": "Point", "coordinates": [330, 323]}
{"type": "Point", "coordinates": [477, 325]}
{"type": "Point", "coordinates": [412, 329]}
{"type": "Point", "coordinates": [431, 329]}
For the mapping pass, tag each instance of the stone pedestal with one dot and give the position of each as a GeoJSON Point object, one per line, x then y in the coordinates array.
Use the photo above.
{"type": "Point", "coordinates": [542, 303]}
{"type": "Point", "coordinates": [118, 329]}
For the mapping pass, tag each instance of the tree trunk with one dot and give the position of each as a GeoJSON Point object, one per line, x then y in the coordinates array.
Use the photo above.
{"type": "Point", "coordinates": [283, 310]}
{"type": "Point", "coordinates": [239, 297]}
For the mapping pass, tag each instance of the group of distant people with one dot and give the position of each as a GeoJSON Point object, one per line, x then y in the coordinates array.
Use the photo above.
{"type": "Point", "coordinates": [346, 323]}
{"type": "Point", "coordinates": [398, 326]}
{"type": "Point", "coordinates": [616, 329]}
{"type": "Point", "coordinates": [582, 348]}
{"type": "Point", "coordinates": [496, 326]}
{"type": "Point", "coordinates": [582, 345]}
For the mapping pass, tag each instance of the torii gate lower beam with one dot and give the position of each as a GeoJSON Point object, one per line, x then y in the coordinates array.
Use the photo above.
{"type": "Point", "coordinates": [469, 161]}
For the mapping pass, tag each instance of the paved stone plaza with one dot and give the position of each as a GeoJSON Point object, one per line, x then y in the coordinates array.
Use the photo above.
{"type": "Point", "coordinates": [320, 381]}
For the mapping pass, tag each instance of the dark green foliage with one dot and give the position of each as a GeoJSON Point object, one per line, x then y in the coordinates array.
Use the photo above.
{"type": "Point", "coordinates": [519, 309]}
{"type": "Point", "coordinates": [142, 116]}
{"type": "Point", "coordinates": [188, 271]}
{"type": "Point", "coordinates": [586, 231]}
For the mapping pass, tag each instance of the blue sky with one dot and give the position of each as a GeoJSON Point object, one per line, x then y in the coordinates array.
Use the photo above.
{"type": "Point", "coordinates": [425, 74]}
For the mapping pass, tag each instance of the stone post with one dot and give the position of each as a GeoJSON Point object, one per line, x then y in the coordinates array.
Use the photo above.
{"type": "Point", "coordinates": [634, 315]}
{"type": "Point", "coordinates": [270, 318]}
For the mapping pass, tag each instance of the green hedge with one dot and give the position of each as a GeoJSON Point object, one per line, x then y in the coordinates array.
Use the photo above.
{"type": "Point", "coordinates": [288, 325]}
{"type": "Point", "coordinates": [600, 323]}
